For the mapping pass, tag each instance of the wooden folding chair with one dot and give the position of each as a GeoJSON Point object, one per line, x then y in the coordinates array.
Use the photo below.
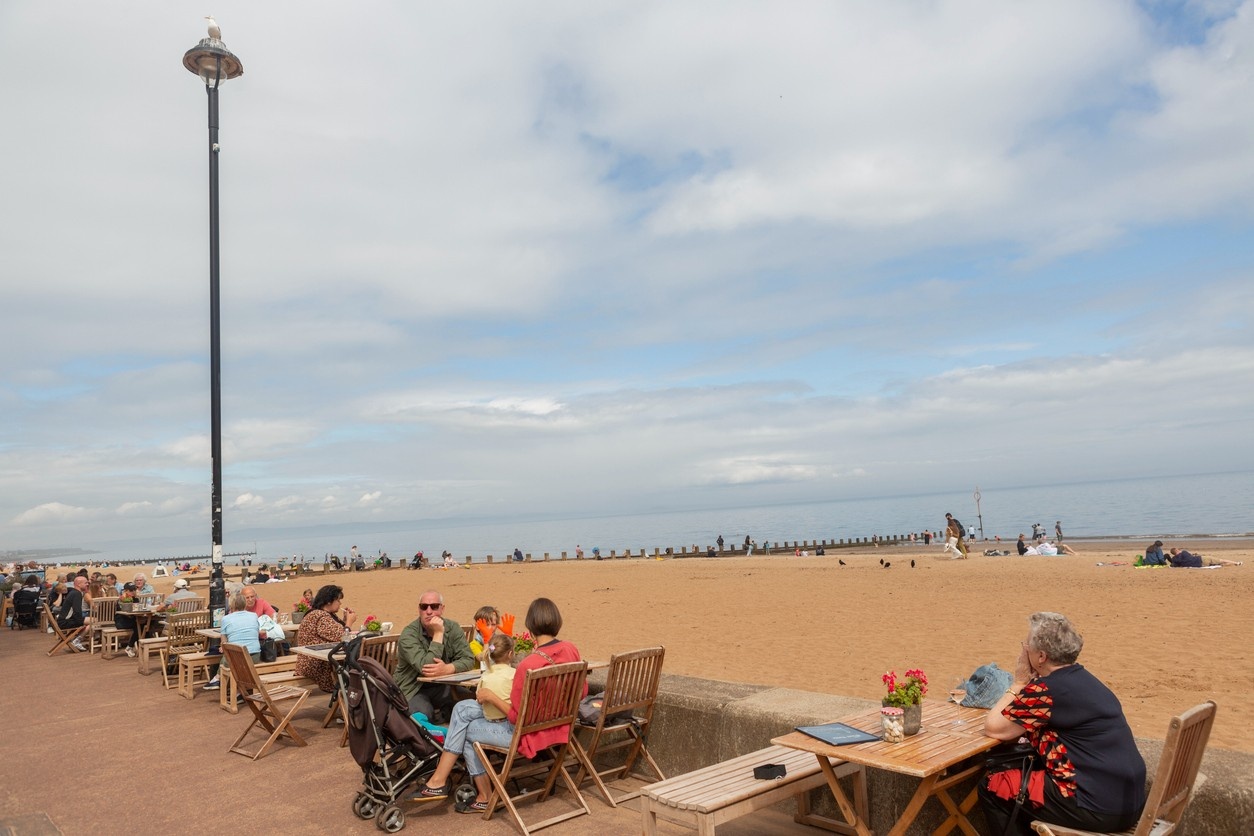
{"type": "Point", "coordinates": [630, 691]}
{"type": "Point", "coordinates": [102, 610]}
{"type": "Point", "coordinates": [1173, 784]}
{"type": "Point", "coordinates": [181, 637]}
{"type": "Point", "coordinates": [264, 701]}
{"type": "Point", "coordinates": [550, 700]}
{"type": "Point", "coordinates": [469, 631]}
{"type": "Point", "coordinates": [63, 637]}
{"type": "Point", "coordinates": [149, 599]}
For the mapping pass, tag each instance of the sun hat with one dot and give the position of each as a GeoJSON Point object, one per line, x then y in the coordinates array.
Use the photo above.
{"type": "Point", "coordinates": [986, 686]}
{"type": "Point", "coordinates": [181, 583]}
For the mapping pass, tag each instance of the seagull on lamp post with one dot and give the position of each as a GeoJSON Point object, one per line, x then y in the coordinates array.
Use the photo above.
{"type": "Point", "coordinates": [215, 31]}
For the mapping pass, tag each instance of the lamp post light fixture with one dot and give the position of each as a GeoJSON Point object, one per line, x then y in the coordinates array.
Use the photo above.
{"type": "Point", "coordinates": [214, 64]}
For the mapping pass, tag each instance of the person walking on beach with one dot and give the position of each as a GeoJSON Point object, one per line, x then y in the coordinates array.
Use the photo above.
{"type": "Point", "coordinates": [954, 531]}
{"type": "Point", "coordinates": [1058, 531]}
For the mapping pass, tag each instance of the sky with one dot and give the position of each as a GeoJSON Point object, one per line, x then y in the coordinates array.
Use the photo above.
{"type": "Point", "coordinates": [557, 259]}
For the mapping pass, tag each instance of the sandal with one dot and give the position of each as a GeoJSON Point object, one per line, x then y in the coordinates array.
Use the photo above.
{"type": "Point", "coordinates": [426, 793]}
{"type": "Point", "coordinates": [474, 807]}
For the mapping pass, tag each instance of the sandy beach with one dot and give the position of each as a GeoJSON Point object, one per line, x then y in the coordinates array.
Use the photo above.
{"type": "Point", "coordinates": [1162, 639]}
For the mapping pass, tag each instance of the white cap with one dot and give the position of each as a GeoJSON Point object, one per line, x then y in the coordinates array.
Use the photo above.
{"type": "Point", "coordinates": [181, 583]}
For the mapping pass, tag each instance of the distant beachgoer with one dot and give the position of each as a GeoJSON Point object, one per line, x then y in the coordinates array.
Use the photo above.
{"type": "Point", "coordinates": [596, 552]}
{"type": "Point", "coordinates": [578, 552]}
{"type": "Point", "coordinates": [1154, 555]}
{"type": "Point", "coordinates": [1058, 531]}
{"type": "Point", "coordinates": [927, 537]}
{"type": "Point", "coordinates": [1184, 559]}
{"type": "Point", "coordinates": [518, 555]}
{"type": "Point", "coordinates": [953, 533]}
{"type": "Point", "coordinates": [720, 542]}
{"type": "Point", "coordinates": [970, 532]}
{"type": "Point", "coordinates": [1021, 545]}
{"type": "Point", "coordinates": [449, 562]}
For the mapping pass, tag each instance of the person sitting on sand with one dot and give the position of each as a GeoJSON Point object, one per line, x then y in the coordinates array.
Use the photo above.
{"type": "Point", "coordinates": [1021, 545]}
{"type": "Point", "coordinates": [1154, 555]}
{"type": "Point", "coordinates": [1184, 559]}
{"type": "Point", "coordinates": [449, 561]}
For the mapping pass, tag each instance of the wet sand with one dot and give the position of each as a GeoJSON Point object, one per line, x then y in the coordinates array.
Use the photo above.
{"type": "Point", "coordinates": [1162, 639]}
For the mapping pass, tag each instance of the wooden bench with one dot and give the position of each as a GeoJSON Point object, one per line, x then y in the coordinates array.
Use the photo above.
{"type": "Point", "coordinates": [725, 791]}
{"type": "Point", "coordinates": [146, 649]}
{"type": "Point", "coordinates": [194, 670]}
{"type": "Point", "coordinates": [112, 640]}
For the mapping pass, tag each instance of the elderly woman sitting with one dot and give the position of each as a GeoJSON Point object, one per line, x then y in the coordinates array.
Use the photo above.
{"type": "Point", "coordinates": [241, 627]}
{"type": "Point", "coordinates": [1092, 777]}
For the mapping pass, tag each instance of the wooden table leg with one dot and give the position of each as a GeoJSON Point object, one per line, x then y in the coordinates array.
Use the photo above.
{"type": "Point", "coordinates": [957, 812]}
{"type": "Point", "coordinates": [854, 813]}
{"type": "Point", "coordinates": [920, 797]}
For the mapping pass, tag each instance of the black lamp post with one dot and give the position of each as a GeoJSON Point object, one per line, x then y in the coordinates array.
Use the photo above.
{"type": "Point", "coordinates": [214, 63]}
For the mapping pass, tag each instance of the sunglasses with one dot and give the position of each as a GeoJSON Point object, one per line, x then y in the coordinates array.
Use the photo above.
{"type": "Point", "coordinates": [429, 606]}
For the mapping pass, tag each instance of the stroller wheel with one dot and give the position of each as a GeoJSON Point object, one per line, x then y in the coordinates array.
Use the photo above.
{"type": "Point", "coordinates": [464, 795]}
{"type": "Point", "coordinates": [364, 806]}
{"type": "Point", "coordinates": [390, 819]}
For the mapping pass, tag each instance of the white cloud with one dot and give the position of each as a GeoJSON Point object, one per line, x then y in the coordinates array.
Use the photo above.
{"type": "Point", "coordinates": [675, 251]}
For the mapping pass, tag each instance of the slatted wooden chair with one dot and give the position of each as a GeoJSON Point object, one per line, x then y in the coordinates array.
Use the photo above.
{"type": "Point", "coordinates": [264, 701]}
{"type": "Point", "coordinates": [1169, 795]}
{"type": "Point", "coordinates": [182, 639]}
{"type": "Point", "coordinates": [550, 700]}
{"type": "Point", "coordinates": [64, 637]}
{"type": "Point", "coordinates": [469, 631]}
{"type": "Point", "coordinates": [189, 604]}
{"type": "Point", "coordinates": [630, 691]}
{"type": "Point", "coordinates": [149, 599]}
{"type": "Point", "coordinates": [102, 610]}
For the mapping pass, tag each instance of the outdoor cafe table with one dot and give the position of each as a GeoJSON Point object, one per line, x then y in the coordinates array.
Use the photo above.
{"type": "Point", "coordinates": [143, 618]}
{"type": "Point", "coordinates": [950, 735]}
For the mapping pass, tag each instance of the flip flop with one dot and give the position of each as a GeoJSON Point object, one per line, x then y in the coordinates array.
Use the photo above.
{"type": "Point", "coordinates": [474, 807]}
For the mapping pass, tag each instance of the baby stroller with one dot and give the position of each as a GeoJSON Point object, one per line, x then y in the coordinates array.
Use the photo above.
{"type": "Point", "coordinates": [25, 609]}
{"type": "Point", "coordinates": [392, 750]}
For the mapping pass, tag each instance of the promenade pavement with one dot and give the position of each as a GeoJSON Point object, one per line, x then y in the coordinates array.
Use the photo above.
{"type": "Point", "coordinates": [92, 747]}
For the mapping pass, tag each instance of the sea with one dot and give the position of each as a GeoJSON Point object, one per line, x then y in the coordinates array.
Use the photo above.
{"type": "Point", "coordinates": [1170, 508]}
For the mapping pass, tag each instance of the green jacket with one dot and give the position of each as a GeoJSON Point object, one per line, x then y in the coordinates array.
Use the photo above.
{"type": "Point", "coordinates": [415, 649]}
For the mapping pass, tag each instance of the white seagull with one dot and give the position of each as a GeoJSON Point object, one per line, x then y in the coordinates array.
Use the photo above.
{"type": "Point", "coordinates": [215, 31]}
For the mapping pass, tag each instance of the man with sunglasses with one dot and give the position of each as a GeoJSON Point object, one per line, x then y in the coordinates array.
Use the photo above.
{"type": "Point", "coordinates": [431, 645]}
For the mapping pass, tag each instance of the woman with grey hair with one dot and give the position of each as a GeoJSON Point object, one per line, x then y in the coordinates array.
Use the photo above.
{"type": "Point", "coordinates": [1089, 774]}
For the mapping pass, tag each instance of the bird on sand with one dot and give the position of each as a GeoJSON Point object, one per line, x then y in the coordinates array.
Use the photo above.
{"type": "Point", "coordinates": [841, 562]}
{"type": "Point", "coordinates": [911, 564]}
{"type": "Point", "coordinates": [881, 561]}
{"type": "Point", "coordinates": [215, 31]}
{"type": "Point", "coordinates": [886, 565]}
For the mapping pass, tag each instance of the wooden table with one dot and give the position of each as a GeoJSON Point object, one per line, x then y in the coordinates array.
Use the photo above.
{"type": "Point", "coordinates": [950, 735]}
{"type": "Point", "coordinates": [143, 618]}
